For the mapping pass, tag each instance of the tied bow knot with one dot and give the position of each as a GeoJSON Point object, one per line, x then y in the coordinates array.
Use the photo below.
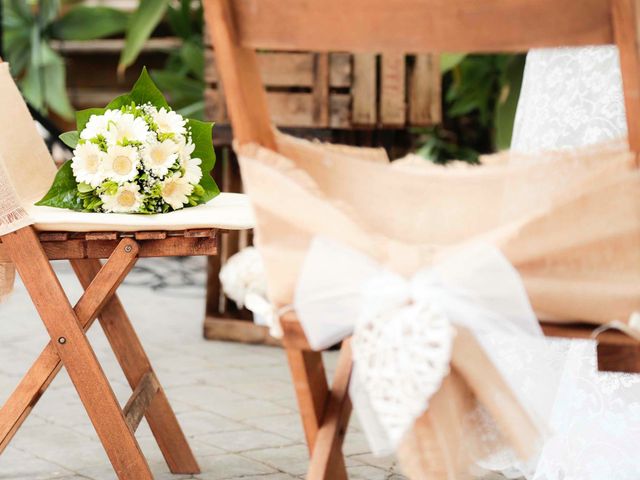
{"type": "Point", "coordinates": [404, 328]}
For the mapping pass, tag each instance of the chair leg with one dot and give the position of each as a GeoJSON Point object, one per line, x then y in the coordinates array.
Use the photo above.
{"type": "Point", "coordinates": [135, 365]}
{"type": "Point", "coordinates": [313, 394]}
{"type": "Point", "coordinates": [327, 461]}
{"type": "Point", "coordinates": [20, 403]}
{"type": "Point", "coordinates": [77, 355]}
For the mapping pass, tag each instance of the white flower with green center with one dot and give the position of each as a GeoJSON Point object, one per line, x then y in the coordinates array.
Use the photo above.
{"type": "Point", "coordinates": [127, 199]}
{"type": "Point", "coordinates": [121, 163]}
{"type": "Point", "coordinates": [127, 128]}
{"type": "Point", "coordinates": [159, 157]}
{"type": "Point", "coordinates": [169, 122]}
{"type": "Point", "coordinates": [192, 171]}
{"type": "Point", "coordinates": [87, 164]}
{"type": "Point", "coordinates": [98, 125]}
{"type": "Point", "coordinates": [175, 190]}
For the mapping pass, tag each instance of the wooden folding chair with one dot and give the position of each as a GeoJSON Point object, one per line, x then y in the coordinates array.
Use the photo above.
{"type": "Point", "coordinates": [31, 250]}
{"type": "Point", "coordinates": [238, 27]}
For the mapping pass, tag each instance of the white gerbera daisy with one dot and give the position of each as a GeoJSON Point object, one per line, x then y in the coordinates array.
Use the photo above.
{"type": "Point", "coordinates": [127, 127]}
{"type": "Point", "coordinates": [170, 122]}
{"type": "Point", "coordinates": [175, 190]}
{"type": "Point", "coordinates": [87, 164]}
{"type": "Point", "coordinates": [160, 156]}
{"type": "Point", "coordinates": [127, 199]}
{"type": "Point", "coordinates": [99, 124]}
{"type": "Point", "coordinates": [186, 149]}
{"type": "Point", "coordinates": [192, 171]}
{"type": "Point", "coordinates": [121, 163]}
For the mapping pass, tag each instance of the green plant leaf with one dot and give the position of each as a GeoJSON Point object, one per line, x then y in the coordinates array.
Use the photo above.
{"type": "Point", "coordinates": [55, 91]}
{"type": "Point", "coordinates": [64, 191]}
{"type": "Point", "coordinates": [141, 25]}
{"type": "Point", "coordinates": [201, 135]}
{"type": "Point", "coordinates": [70, 139]}
{"type": "Point", "coordinates": [448, 61]}
{"type": "Point", "coordinates": [507, 101]}
{"type": "Point", "coordinates": [192, 55]}
{"type": "Point", "coordinates": [87, 23]}
{"type": "Point", "coordinates": [179, 18]}
{"type": "Point", "coordinates": [143, 91]}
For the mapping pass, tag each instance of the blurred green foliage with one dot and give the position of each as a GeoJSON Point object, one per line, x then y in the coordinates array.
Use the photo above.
{"type": "Point", "coordinates": [182, 78]}
{"type": "Point", "coordinates": [29, 26]}
{"type": "Point", "coordinates": [480, 99]}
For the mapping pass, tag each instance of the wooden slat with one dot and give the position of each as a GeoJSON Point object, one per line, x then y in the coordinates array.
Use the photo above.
{"type": "Point", "coordinates": [289, 109]}
{"type": "Point", "coordinates": [236, 330]}
{"type": "Point", "coordinates": [91, 236]}
{"type": "Point", "coordinates": [364, 109]}
{"type": "Point", "coordinates": [98, 291]}
{"type": "Point", "coordinates": [53, 236]}
{"type": "Point", "coordinates": [392, 90]}
{"type": "Point", "coordinates": [619, 358]}
{"type": "Point", "coordinates": [320, 90]}
{"type": "Point", "coordinates": [140, 399]}
{"type": "Point", "coordinates": [425, 94]}
{"type": "Point", "coordinates": [169, 247]}
{"type": "Point", "coordinates": [150, 235]}
{"type": "Point", "coordinates": [289, 69]}
{"type": "Point", "coordinates": [421, 25]}
{"type": "Point", "coordinates": [114, 45]}
{"type": "Point", "coordinates": [199, 233]}
{"type": "Point", "coordinates": [608, 337]}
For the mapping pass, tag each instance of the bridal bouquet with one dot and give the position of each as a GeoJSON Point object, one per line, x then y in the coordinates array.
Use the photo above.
{"type": "Point", "coordinates": [135, 156]}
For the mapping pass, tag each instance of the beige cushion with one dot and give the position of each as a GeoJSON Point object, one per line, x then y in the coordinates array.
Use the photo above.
{"type": "Point", "coordinates": [230, 211]}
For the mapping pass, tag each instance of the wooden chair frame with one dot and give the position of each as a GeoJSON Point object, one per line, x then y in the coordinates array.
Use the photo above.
{"type": "Point", "coordinates": [32, 252]}
{"type": "Point", "coordinates": [238, 27]}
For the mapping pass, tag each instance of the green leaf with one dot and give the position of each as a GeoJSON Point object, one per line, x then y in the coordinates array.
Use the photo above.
{"type": "Point", "coordinates": [507, 102]}
{"type": "Point", "coordinates": [192, 54]}
{"type": "Point", "coordinates": [448, 61]}
{"type": "Point", "coordinates": [143, 91]}
{"type": "Point", "coordinates": [55, 91]}
{"type": "Point", "coordinates": [88, 23]}
{"type": "Point", "coordinates": [70, 139]}
{"type": "Point", "coordinates": [201, 135]}
{"type": "Point", "coordinates": [84, 188]}
{"type": "Point", "coordinates": [143, 21]}
{"type": "Point", "coordinates": [64, 191]}
{"type": "Point", "coordinates": [179, 18]}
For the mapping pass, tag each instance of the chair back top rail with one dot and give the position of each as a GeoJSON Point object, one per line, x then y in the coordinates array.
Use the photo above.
{"type": "Point", "coordinates": [416, 26]}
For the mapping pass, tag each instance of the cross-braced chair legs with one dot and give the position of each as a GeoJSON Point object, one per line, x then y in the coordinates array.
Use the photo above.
{"type": "Point", "coordinates": [70, 348]}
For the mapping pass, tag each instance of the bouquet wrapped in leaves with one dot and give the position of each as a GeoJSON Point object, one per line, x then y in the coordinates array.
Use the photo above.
{"type": "Point", "coordinates": [135, 156]}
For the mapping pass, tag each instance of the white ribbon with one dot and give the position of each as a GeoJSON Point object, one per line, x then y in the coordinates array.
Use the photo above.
{"type": "Point", "coordinates": [403, 329]}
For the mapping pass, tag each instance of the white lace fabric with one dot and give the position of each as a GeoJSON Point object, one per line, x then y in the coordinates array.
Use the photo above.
{"type": "Point", "coordinates": [572, 97]}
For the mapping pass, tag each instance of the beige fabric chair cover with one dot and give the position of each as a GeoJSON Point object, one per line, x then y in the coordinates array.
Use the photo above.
{"type": "Point", "coordinates": [569, 222]}
{"type": "Point", "coordinates": [26, 168]}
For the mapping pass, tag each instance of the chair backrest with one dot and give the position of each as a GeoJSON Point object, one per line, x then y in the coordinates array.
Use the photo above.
{"type": "Point", "coordinates": [238, 27]}
{"type": "Point", "coordinates": [23, 154]}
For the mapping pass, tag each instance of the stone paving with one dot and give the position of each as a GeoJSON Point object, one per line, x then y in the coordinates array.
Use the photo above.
{"type": "Point", "coordinates": [234, 402]}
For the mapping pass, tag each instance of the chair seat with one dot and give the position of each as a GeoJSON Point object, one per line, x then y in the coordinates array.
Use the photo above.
{"type": "Point", "coordinates": [229, 211]}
